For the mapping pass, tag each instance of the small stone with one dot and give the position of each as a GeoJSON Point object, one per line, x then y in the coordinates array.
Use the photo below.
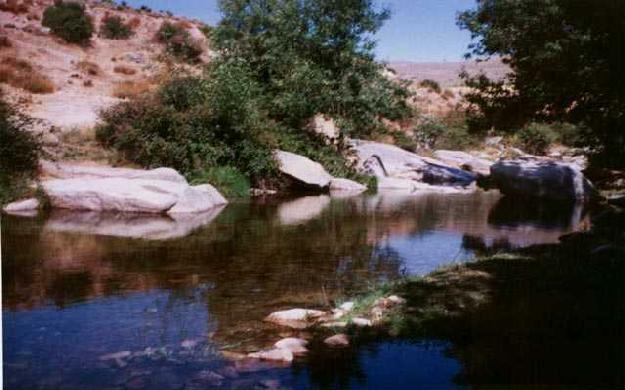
{"type": "Point", "coordinates": [278, 355]}
{"type": "Point", "coordinates": [228, 372]}
{"type": "Point", "coordinates": [189, 344]}
{"type": "Point", "coordinates": [347, 306]}
{"type": "Point", "coordinates": [377, 313]}
{"type": "Point", "coordinates": [335, 324]}
{"type": "Point", "coordinates": [359, 321]}
{"type": "Point", "coordinates": [272, 384]}
{"type": "Point", "coordinates": [396, 300]}
{"type": "Point", "coordinates": [338, 313]}
{"type": "Point", "coordinates": [22, 205]}
{"type": "Point", "coordinates": [294, 318]}
{"type": "Point", "coordinates": [338, 340]}
{"type": "Point", "coordinates": [209, 376]}
{"type": "Point", "coordinates": [234, 356]}
{"type": "Point", "coordinates": [295, 345]}
{"type": "Point", "coordinates": [116, 355]}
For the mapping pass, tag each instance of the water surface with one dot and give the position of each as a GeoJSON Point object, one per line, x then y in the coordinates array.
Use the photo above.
{"type": "Point", "coordinates": [166, 295]}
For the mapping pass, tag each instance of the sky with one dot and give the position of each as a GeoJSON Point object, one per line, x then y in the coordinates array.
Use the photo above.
{"type": "Point", "coordinates": [418, 30]}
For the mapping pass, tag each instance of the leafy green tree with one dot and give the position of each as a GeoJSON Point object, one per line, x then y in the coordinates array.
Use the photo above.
{"type": "Point", "coordinates": [69, 21]}
{"type": "Point", "coordinates": [313, 56]}
{"type": "Point", "coordinates": [567, 62]}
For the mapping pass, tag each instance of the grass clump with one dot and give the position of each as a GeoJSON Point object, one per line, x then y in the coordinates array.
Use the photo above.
{"type": "Point", "coordinates": [178, 42]}
{"type": "Point", "coordinates": [88, 67]}
{"type": "Point", "coordinates": [431, 85]}
{"type": "Point", "coordinates": [114, 27]}
{"type": "Point", "coordinates": [125, 70]}
{"type": "Point", "coordinates": [228, 180]}
{"type": "Point", "coordinates": [535, 138]}
{"type": "Point", "coordinates": [21, 74]}
{"type": "Point", "coordinates": [69, 21]}
{"type": "Point", "coordinates": [16, 6]}
{"type": "Point", "coordinates": [19, 152]}
{"type": "Point", "coordinates": [131, 89]}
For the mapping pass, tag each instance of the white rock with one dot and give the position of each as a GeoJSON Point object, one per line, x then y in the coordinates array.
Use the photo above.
{"type": "Point", "coordinates": [337, 184]}
{"type": "Point", "coordinates": [303, 170]}
{"type": "Point", "coordinates": [541, 178]}
{"type": "Point", "coordinates": [347, 306]}
{"type": "Point", "coordinates": [73, 171]}
{"type": "Point", "coordinates": [197, 199]}
{"type": "Point", "coordinates": [26, 205]}
{"type": "Point", "coordinates": [465, 161]}
{"type": "Point", "coordinates": [325, 126]}
{"type": "Point", "coordinates": [279, 355]}
{"type": "Point", "coordinates": [396, 300]}
{"type": "Point", "coordinates": [295, 345]}
{"type": "Point", "coordinates": [338, 340]}
{"type": "Point", "coordinates": [390, 183]}
{"type": "Point", "coordinates": [294, 318]}
{"type": "Point", "coordinates": [334, 324]}
{"type": "Point", "coordinates": [358, 321]}
{"type": "Point", "coordinates": [116, 355]}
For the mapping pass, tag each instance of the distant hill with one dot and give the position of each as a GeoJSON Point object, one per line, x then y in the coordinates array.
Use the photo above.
{"type": "Point", "coordinates": [446, 73]}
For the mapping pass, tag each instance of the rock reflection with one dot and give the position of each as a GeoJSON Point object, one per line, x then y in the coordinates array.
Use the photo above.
{"type": "Point", "coordinates": [144, 226]}
{"type": "Point", "coordinates": [302, 209]}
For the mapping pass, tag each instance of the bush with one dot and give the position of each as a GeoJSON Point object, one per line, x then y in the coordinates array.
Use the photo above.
{"type": "Point", "coordinates": [228, 180]}
{"type": "Point", "coordinates": [21, 74]}
{"type": "Point", "coordinates": [113, 27]}
{"type": "Point", "coordinates": [19, 152]}
{"type": "Point", "coordinates": [131, 89]}
{"type": "Point", "coordinates": [178, 42]}
{"type": "Point", "coordinates": [535, 138]}
{"type": "Point", "coordinates": [431, 85]}
{"type": "Point", "coordinates": [69, 21]}
{"type": "Point", "coordinates": [125, 70]}
{"type": "Point", "coordinates": [428, 131]}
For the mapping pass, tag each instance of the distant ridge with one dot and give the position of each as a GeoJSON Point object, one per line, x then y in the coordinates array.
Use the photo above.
{"type": "Point", "coordinates": [446, 73]}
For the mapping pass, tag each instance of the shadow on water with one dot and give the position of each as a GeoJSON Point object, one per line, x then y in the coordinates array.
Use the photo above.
{"type": "Point", "coordinates": [77, 286]}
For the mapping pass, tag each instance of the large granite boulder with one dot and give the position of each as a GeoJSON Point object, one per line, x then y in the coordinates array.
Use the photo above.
{"type": "Point", "coordinates": [384, 160]}
{"type": "Point", "coordinates": [302, 170]}
{"type": "Point", "coordinates": [464, 161]}
{"type": "Point", "coordinates": [161, 190]}
{"type": "Point", "coordinates": [541, 178]}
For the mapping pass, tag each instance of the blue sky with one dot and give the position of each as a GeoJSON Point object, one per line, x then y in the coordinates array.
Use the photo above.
{"type": "Point", "coordinates": [419, 30]}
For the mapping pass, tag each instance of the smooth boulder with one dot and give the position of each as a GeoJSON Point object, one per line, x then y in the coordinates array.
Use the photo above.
{"type": "Point", "coordinates": [303, 171]}
{"type": "Point", "coordinates": [464, 161]}
{"type": "Point", "coordinates": [338, 184]}
{"type": "Point", "coordinates": [26, 207]}
{"type": "Point", "coordinates": [156, 191]}
{"type": "Point", "coordinates": [389, 161]}
{"type": "Point", "coordinates": [542, 179]}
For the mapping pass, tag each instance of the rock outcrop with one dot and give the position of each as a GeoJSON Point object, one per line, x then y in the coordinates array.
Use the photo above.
{"type": "Point", "coordinates": [346, 185]}
{"type": "Point", "coordinates": [390, 162]}
{"type": "Point", "coordinates": [466, 161]}
{"type": "Point", "coordinates": [156, 191]}
{"type": "Point", "coordinates": [26, 207]}
{"type": "Point", "coordinates": [295, 318]}
{"type": "Point", "coordinates": [542, 178]}
{"type": "Point", "coordinates": [302, 170]}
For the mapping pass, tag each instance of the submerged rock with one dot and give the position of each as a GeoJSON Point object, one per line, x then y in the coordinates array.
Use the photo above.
{"type": "Point", "coordinates": [304, 171]}
{"type": "Point", "coordinates": [295, 345]}
{"type": "Point", "coordinates": [295, 318]}
{"type": "Point", "coordinates": [338, 340]}
{"type": "Point", "coordinates": [347, 306]}
{"type": "Point", "coordinates": [359, 321]}
{"type": "Point", "coordinates": [542, 178]}
{"type": "Point", "coordinates": [26, 207]}
{"type": "Point", "coordinates": [277, 354]}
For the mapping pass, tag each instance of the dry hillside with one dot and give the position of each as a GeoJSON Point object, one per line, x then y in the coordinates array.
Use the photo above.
{"type": "Point", "coordinates": [66, 85]}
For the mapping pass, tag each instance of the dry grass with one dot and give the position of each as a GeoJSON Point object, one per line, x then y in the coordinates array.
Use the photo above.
{"type": "Point", "coordinates": [5, 42]}
{"type": "Point", "coordinates": [125, 70]}
{"type": "Point", "coordinates": [134, 23]}
{"type": "Point", "coordinates": [131, 89]}
{"type": "Point", "coordinates": [89, 68]}
{"type": "Point", "coordinates": [21, 74]}
{"type": "Point", "coordinates": [16, 6]}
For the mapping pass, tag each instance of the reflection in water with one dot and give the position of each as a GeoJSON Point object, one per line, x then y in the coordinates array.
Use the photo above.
{"type": "Point", "coordinates": [117, 293]}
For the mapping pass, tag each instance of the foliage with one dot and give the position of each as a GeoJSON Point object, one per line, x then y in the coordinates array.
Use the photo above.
{"type": "Point", "coordinates": [69, 21]}
{"type": "Point", "coordinates": [228, 180]}
{"type": "Point", "coordinates": [19, 152]}
{"type": "Point", "coordinates": [113, 27]}
{"type": "Point", "coordinates": [431, 84]}
{"type": "Point", "coordinates": [428, 131]}
{"type": "Point", "coordinates": [313, 57]}
{"type": "Point", "coordinates": [567, 65]}
{"type": "Point", "coordinates": [535, 138]}
{"type": "Point", "coordinates": [178, 42]}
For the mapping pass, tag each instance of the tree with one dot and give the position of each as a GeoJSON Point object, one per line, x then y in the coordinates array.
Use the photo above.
{"type": "Point", "coordinates": [69, 21]}
{"type": "Point", "coordinates": [567, 62]}
{"type": "Point", "coordinates": [313, 56]}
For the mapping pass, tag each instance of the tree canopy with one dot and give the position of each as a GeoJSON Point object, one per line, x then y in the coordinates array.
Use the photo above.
{"type": "Point", "coordinates": [567, 62]}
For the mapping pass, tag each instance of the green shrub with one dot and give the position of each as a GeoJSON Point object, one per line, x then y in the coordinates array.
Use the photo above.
{"type": "Point", "coordinates": [69, 21]}
{"type": "Point", "coordinates": [178, 42]}
{"type": "Point", "coordinates": [228, 180]}
{"type": "Point", "coordinates": [19, 152]}
{"type": "Point", "coordinates": [535, 138]}
{"type": "Point", "coordinates": [431, 85]}
{"type": "Point", "coordinates": [428, 131]}
{"type": "Point", "coordinates": [113, 27]}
